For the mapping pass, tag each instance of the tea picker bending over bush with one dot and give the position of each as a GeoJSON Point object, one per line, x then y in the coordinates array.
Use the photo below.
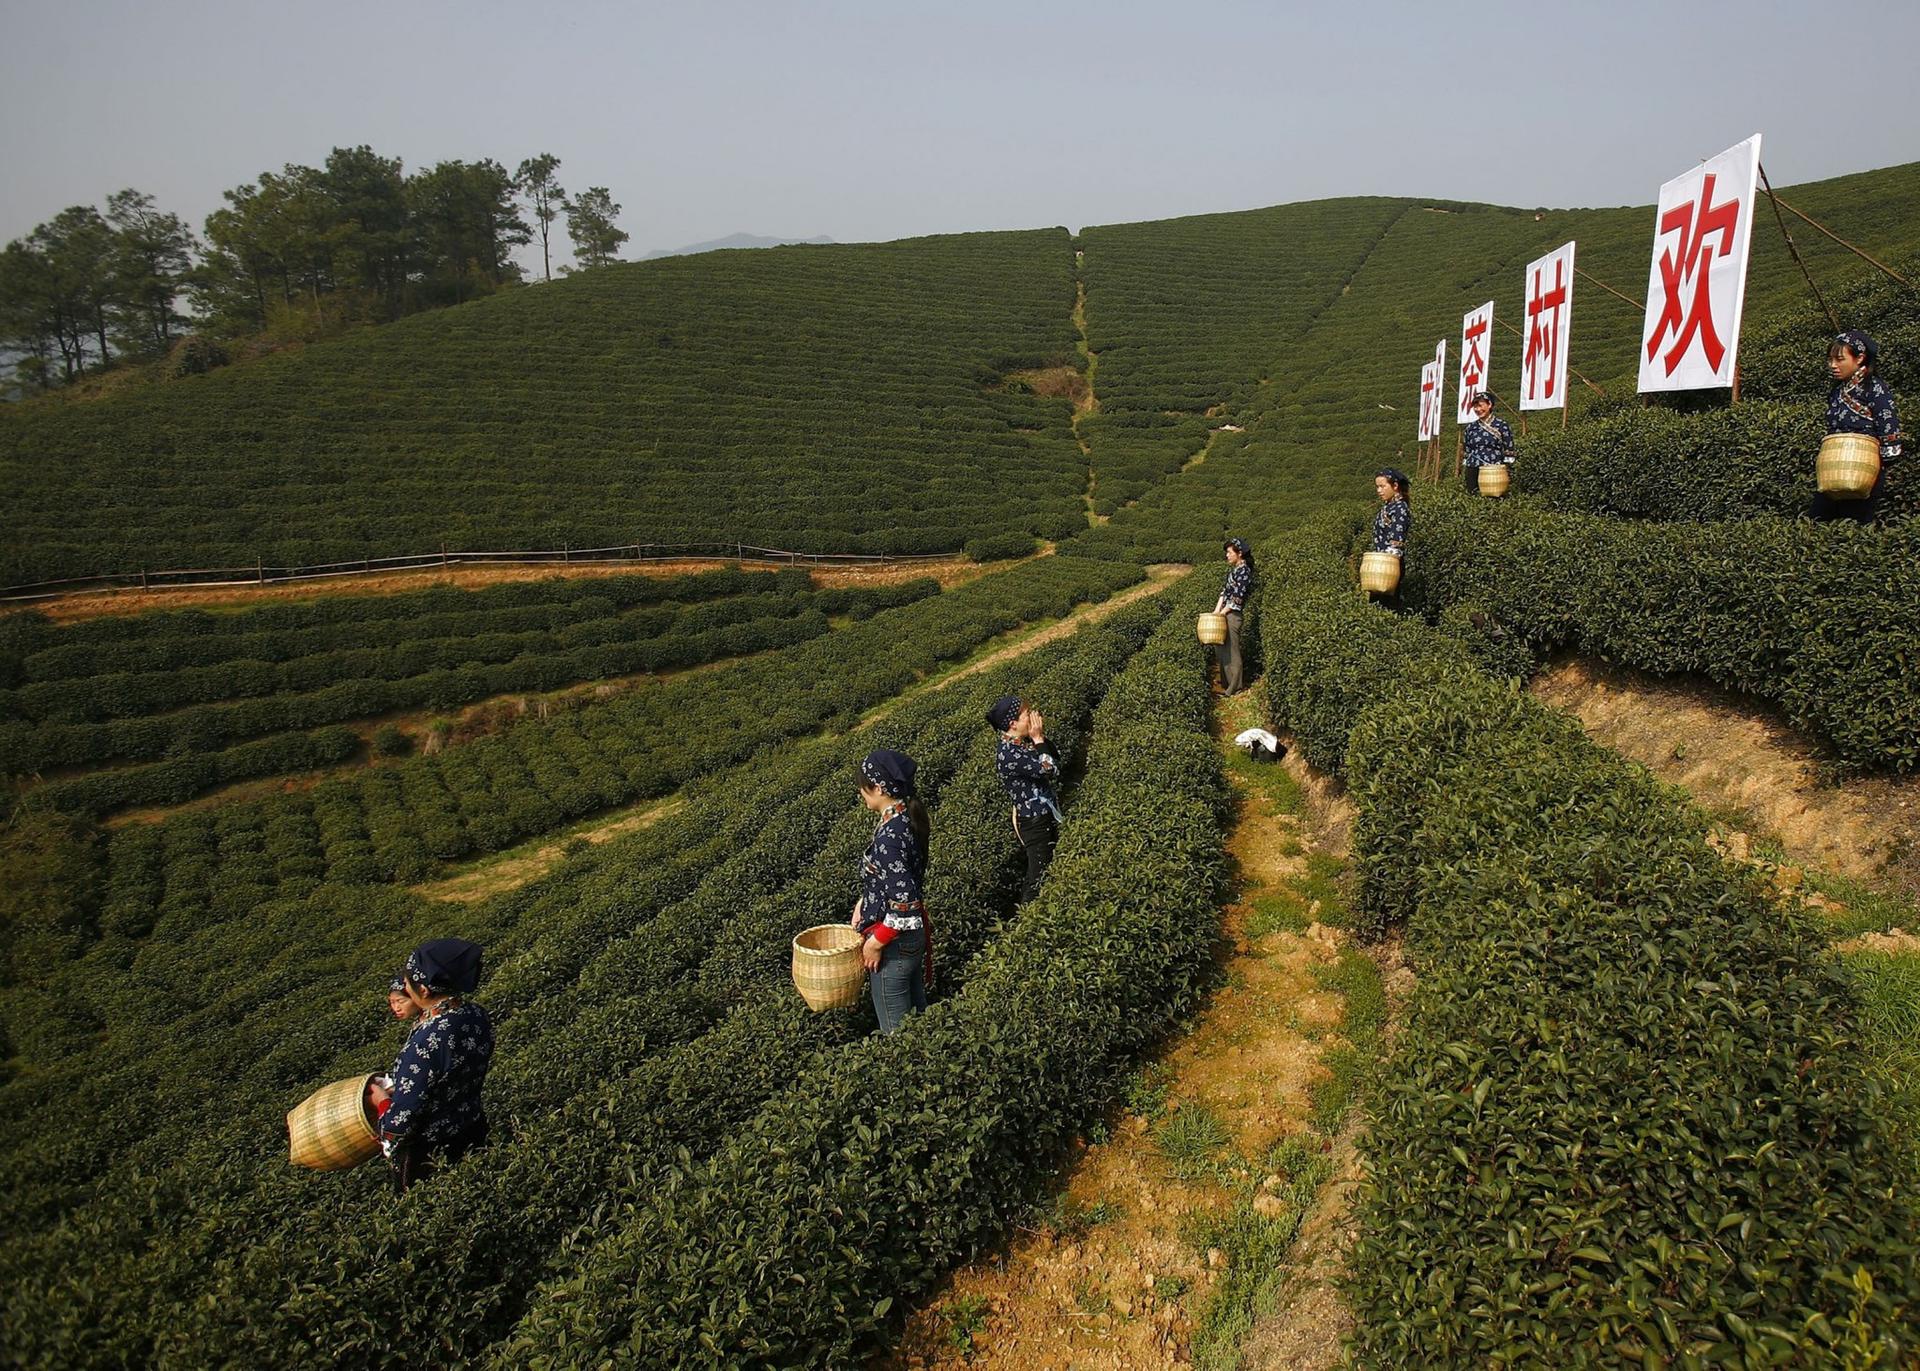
{"type": "Point", "coordinates": [892, 910]}
{"type": "Point", "coordinates": [1860, 402]}
{"type": "Point", "coordinates": [1029, 768]}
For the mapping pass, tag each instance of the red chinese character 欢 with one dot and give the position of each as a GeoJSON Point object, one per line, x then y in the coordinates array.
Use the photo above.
{"type": "Point", "coordinates": [1691, 265]}
{"type": "Point", "coordinates": [1543, 327]}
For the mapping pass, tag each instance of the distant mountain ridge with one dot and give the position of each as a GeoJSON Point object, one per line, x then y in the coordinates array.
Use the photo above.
{"type": "Point", "coordinates": [733, 240]}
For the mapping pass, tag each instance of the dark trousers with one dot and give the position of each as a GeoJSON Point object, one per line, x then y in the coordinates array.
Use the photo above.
{"type": "Point", "coordinates": [1471, 475]}
{"type": "Point", "coordinates": [1228, 654]}
{"type": "Point", "coordinates": [1038, 837]}
{"type": "Point", "coordinates": [1826, 509]}
{"type": "Point", "coordinates": [412, 1162]}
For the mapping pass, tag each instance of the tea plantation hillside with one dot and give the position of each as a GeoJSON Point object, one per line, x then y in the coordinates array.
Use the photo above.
{"type": "Point", "coordinates": [1186, 316]}
{"type": "Point", "coordinates": [1339, 399]}
{"type": "Point", "coordinates": [825, 399]}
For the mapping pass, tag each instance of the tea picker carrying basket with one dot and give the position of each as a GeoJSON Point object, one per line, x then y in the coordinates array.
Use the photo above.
{"type": "Point", "coordinates": [1392, 524]}
{"type": "Point", "coordinates": [1220, 629]}
{"type": "Point", "coordinates": [1863, 433]}
{"type": "Point", "coordinates": [889, 938]}
{"type": "Point", "coordinates": [427, 1113]}
{"type": "Point", "coordinates": [1487, 450]}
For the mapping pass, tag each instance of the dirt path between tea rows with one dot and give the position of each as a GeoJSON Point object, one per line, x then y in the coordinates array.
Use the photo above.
{"type": "Point", "coordinates": [528, 862]}
{"type": "Point", "coordinates": [95, 604]}
{"type": "Point", "coordinates": [1209, 1217]}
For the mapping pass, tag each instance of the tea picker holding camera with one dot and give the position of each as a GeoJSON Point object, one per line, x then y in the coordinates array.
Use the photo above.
{"type": "Point", "coordinates": [1487, 440]}
{"type": "Point", "coordinates": [1860, 402]}
{"type": "Point", "coordinates": [1029, 769]}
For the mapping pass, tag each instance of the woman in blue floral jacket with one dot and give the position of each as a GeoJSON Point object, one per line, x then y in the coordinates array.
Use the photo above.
{"type": "Point", "coordinates": [1860, 402]}
{"type": "Point", "coordinates": [431, 1112]}
{"type": "Point", "coordinates": [892, 909]}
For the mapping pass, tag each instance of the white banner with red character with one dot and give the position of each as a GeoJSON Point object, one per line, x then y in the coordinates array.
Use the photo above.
{"type": "Point", "coordinates": [1433, 379]}
{"type": "Point", "coordinates": [1476, 360]}
{"type": "Point", "coordinates": [1697, 283]}
{"type": "Point", "coordinates": [1548, 329]}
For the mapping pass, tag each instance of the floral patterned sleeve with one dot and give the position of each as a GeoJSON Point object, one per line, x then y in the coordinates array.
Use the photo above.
{"type": "Point", "coordinates": [1886, 420]}
{"type": "Point", "coordinates": [1239, 586]}
{"type": "Point", "coordinates": [423, 1061]}
{"type": "Point", "coordinates": [891, 897]}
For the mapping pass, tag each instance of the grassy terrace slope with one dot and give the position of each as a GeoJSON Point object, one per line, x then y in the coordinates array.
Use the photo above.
{"type": "Point", "coordinates": [828, 399]}
{"type": "Point", "coordinates": [1341, 395]}
{"type": "Point", "coordinates": [1186, 316]}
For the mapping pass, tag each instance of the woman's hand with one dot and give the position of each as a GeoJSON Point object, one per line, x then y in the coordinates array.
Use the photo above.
{"type": "Point", "coordinates": [378, 1094]}
{"type": "Point", "coordinates": [870, 953]}
{"type": "Point", "coordinates": [1037, 730]}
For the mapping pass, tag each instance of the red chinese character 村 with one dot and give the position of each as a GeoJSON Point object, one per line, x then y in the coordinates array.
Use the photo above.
{"type": "Point", "coordinates": [1543, 328]}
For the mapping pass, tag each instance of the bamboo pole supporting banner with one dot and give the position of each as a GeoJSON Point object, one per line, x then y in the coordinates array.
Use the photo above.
{"type": "Point", "coordinates": [1572, 371]}
{"type": "Point", "coordinates": [1857, 252]}
{"type": "Point", "coordinates": [1584, 274]}
{"type": "Point", "coordinates": [1794, 251]}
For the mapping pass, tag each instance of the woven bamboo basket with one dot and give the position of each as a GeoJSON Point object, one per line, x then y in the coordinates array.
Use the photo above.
{"type": "Point", "coordinates": [332, 1129]}
{"type": "Point", "coordinates": [1849, 465]}
{"type": "Point", "coordinates": [1212, 628]}
{"type": "Point", "coordinates": [1495, 479]}
{"type": "Point", "coordinates": [826, 967]}
{"type": "Point", "coordinates": [1379, 572]}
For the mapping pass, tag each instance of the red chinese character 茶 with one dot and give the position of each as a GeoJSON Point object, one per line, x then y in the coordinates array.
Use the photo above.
{"type": "Point", "coordinates": [1691, 265]}
{"type": "Point", "coordinates": [1471, 365]}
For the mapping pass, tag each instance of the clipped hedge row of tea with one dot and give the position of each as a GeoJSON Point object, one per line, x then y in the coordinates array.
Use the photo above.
{"type": "Point", "coordinates": [561, 1165]}
{"type": "Point", "coordinates": [495, 665]}
{"type": "Point", "coordinates": [805, 398]}
{"type": "Point", "coordinates": [36, 650]}
{"type": "Point", "coordinates": [1625, 1121]}
{"type": "Point", "coordinates": [1820, 620]}
{"type": "Point", "coordinates": [1750, 460]}
{"type": "Point", "coordinates": [133, 678]}
{"type": "Point", "coordinates": [885, 1165]}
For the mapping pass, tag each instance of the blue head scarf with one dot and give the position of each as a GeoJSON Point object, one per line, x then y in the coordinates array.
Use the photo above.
{"type": "Point", "coordinates": [445, 966]}
{"type": "Point", "coordinates": [1860, 345]}
{"type": "Point", "coordinates": [892, 772]}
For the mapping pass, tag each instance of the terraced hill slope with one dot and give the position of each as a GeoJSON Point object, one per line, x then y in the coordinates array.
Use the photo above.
{"type": "Point", "coordinates": [1336, 396]}
{"type": "Point", "coordinates": [833, 399]}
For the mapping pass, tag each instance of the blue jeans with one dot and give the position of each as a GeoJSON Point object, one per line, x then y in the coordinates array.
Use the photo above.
{"type": "Point", "coordinates": [900, 982]}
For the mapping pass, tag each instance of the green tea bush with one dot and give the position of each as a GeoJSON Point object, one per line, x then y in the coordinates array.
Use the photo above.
{"type": "Point", "coordinates": [1626, 1120]}
{"type": "Point", "coordinates": [568, 1164]}
{"type": "Point", "coordinates": [1754, 459]}
{"type": "Point", "coordinates": [1819, 620]}
{"type": "Point", "coordinates": [1000, 547]}
{"type": "Point", "coordinates": [794, 398]}
{"type": "Point", "coordinates": [726, 1264]}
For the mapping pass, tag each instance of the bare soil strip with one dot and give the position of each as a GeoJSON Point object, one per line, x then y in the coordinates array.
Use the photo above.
{"type": "Point", "coordinates": [1121, 1271]}
{"type": "Point", "coordinates": [531, 860]}
{"type": "Point", "coordinates": [1738, 761]}
{"type": "Point", "coordinates": [96, 604]}
{"type": "Point", "coordinates": [518, 866]}
{"type": "Point", "coordinates": [1024, 640]}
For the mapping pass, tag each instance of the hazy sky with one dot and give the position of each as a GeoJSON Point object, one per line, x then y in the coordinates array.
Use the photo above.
{"type": "Point", "coordinates": [871, 121]}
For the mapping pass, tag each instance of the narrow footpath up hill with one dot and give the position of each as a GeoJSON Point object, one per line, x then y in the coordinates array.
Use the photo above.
{"type": "Point", "coordinates": [1202, 1223]}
